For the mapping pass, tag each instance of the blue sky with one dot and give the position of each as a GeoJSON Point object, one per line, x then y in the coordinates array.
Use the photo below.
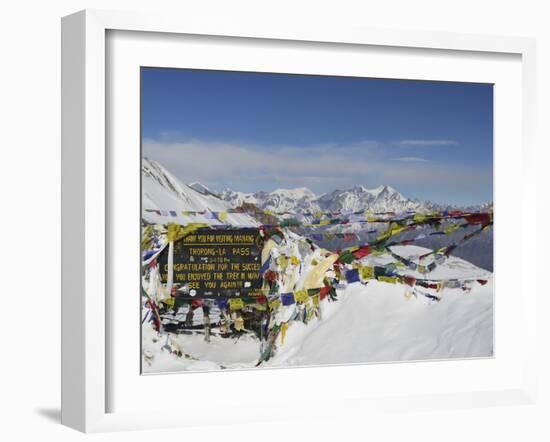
{"type": "Point", "coordinates": [255, 131]}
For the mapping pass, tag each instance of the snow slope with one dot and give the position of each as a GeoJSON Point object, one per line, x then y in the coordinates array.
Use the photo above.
{"type": "Point", "coordinates": [377, 323]}
{"type": "Point", "coordinates": [162, 191]}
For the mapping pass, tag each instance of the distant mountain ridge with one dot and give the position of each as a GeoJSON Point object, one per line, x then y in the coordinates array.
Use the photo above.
{"type": "Point", "coordinates": [299, 200]}
{"type": "Point", "coordinates": [379, 199]}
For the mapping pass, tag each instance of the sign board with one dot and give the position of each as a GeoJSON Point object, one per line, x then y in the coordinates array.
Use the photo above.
{"type": "Point", "coordinates": [212, 263]}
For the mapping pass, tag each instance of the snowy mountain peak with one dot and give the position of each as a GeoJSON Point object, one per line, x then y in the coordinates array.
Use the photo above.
{"type": "Point", "coordinates": [163, 192]}
{"type": "Point", "coordinates": [298, 191]}
{"type": "Point", "coordinates": [378, 199]}
{"type": "Point", "coordinates": [387, 189]}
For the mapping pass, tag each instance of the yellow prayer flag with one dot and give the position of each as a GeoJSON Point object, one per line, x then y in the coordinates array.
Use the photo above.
{"type": "Point", "coordinates": [314, 278]}
{"type": "Point", "coordinates": [282, 261]}
{"type": "Point", "coordinates": [397, 229]}
{"type": "Point", "coordinates": [452, 228]}
{"type": "Point", "coordinates": [170, 302]}
{"type": "Point", "coordinates": [236, 303]}
{"type": "Point", "coordinates": [284, 328]}
{"type": "Point", "coordinates": [176, 231]}
{"type": "Point", "coordinates": [388, 279]}
{"type": "Point", "coordinates": [419, 217]}
{"type": "Point", "coordinates": [294, 260]}
{"type": "Point", "coordinates": [239, 323]}
{"type": "Point", "coordinates": [366, 272]}
{"type": "Point", "coordinates": [222, 216]}
{"type": "Point", "coordinates": [301, 296]}
{"type": "Point", "coordinates": [274, 304]}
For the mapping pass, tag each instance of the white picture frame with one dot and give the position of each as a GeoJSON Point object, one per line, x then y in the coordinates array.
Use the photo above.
{"type": "Point", "coordinates": [87, 216]}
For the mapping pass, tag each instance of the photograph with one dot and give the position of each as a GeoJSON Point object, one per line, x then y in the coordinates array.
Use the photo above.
{"type": "Point", "coordinates": [293, 220]}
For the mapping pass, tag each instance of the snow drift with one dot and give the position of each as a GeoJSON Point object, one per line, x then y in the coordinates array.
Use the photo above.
{"type": "Point", "coordinates": [376, 322]}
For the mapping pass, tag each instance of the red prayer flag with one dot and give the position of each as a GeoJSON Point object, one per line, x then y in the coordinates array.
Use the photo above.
{"type": "Point", "coordinates": [478, 218]}
{"type": "Point", "coordinates": [195, 303]}
{"type": "Point", "coordinates": [270, 275]}
{"type": "Point", "coordinates": [361, 252]}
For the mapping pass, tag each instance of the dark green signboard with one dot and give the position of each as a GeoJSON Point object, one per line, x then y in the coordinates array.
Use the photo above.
{"type": "Point", "coordinates": [211, 263]}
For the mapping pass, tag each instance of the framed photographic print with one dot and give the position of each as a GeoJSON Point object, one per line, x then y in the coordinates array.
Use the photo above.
{"type": "Point", "coordinates": [243, 270]}
{"type": "Point", "coordinates": [332, 203]}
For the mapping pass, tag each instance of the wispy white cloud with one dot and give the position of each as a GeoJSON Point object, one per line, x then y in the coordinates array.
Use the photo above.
{"type": "Point", "coordinates": [321, 168]}
{"type": "Point", "coordinates": [427, 143]}
{"type": "Point", "coordinates": [202, 160]}
{"type": "Point", "coordinates": [411, 159]}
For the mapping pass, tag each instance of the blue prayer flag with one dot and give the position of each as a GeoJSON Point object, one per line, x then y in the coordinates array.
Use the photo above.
{"type": "Point", "coordinates": [265, 265]}
{"type": "Point", "coordinates": [352, 276]}
{"type": "Point", "coordinates": [287, 298]}
{"type": "Point", "coordinates": [222, 303]}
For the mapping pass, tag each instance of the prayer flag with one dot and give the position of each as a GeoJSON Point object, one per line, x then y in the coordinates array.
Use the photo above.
{"type": "Point", "coordinates": [236, 303]}
{"type": "Point", "coordinates": [366, 272]}
{"type": "Point", "coordinates": [352, 276]}
{"type": "Point", "coordinates": [301, 296]}
{"type": "Point", "coordinates": [388, 279]}
{"type": "Point", "coordinates": [274, 304]}
{"type": "Point", "coordinates": [287, 299]}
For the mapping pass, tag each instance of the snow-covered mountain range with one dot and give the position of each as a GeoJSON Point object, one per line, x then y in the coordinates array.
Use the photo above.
{"type": "Point", "coordinates": [161, 190]}
{"type": "Point", "coordinates": [379, 199]}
